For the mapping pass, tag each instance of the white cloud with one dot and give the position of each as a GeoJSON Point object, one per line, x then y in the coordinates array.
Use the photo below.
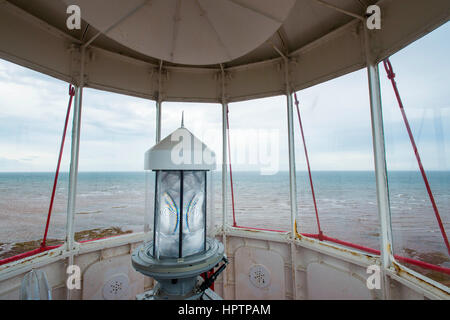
{"type": "Point", "coordinates": [116, 129]}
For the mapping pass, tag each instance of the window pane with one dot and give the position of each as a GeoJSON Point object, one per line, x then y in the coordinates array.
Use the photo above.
{"type": "Point", "coordinates": [424, 91]}
{"type": "Point", "coordinates": [337, 128]}
{"type": "Point", "coordinates": [32, 115]}
{"type": "Point", "coordinates": [258, 139]}
{"type": "Point", "coordinates": [116, 130]}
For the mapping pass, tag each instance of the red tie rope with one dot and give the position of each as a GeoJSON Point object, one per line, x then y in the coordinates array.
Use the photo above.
{"type": "Point", "coordinates": [391, 76]}
{"type": "Point", "coordinates": [55, 182]}
{"type": "Point", "coordinates": [309, 168]}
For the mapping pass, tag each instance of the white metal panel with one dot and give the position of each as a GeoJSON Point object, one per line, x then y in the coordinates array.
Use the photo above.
{"type": "Point", "coordinates": [30, 42]}
{"type": "Point", "coordinates": [99, 280]}
{"type": "Point", "coordinates": [114, 258]}
{"type": "Point", "coordinates": [256, 81]}
{"type": "Point", "coordinates": [271, 278]}
{"type": "Point", "coordinates": [325, 281]}
{"type": "Point", "coordinates": [335, 54]}
{"type": "Point", "coordinates": [38, 45]}
{"type": "Point", "coordinates": [193, 153]}
{"type": "Point", "coordinates": [194, 85]}
{"type": "Point", "coordinates": [195, 32]}
{"type": "Point", "coordinates": [116, 73]}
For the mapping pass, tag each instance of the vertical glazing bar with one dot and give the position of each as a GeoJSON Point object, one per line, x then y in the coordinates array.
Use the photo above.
{"type": "Point", "coordinates": [180, 240]}
{"type": "Point", "coordinates": [75, 151]}
{"type": "Point", "coordinates": [224, 164]}
{"type": "Point", "coordinates": [379, 152]}
{"type": "Point", "coordinates": [158, 121]}
{"type": "Point", "coordinates": [205, 208]}
{"type": "Point", "coordinates": [159, 104]}
{"type": "Point", "coordinates": [292, 172]}
{"type": "Point", "coordinates": [155, 212]}
{"type": "Point", "coordinates": [224, 178]}
{"type": "Point", "coordinates": [73, 175]}
{"type": "Point", "coordinates": [224, 153]}
{"type": "Point", "coordinates": [147, 216]}
{"type": "Point", "coordinates": [380, 164]}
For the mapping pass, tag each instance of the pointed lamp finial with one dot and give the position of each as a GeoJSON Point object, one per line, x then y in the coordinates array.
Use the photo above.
{"type": "Point", "coordinates": [182, 119]}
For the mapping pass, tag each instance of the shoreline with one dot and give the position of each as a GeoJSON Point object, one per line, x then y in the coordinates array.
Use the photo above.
{"type": "Point", "coordinates": [14, 248]}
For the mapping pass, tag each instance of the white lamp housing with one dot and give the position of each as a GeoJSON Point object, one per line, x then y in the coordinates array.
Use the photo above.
{"type": "Point", "coordinates": [180, 250]}
{"type": "Point", "coordinates": [182, 164]}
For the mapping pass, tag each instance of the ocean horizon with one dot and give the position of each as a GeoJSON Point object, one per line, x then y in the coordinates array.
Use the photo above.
{"type": "Point", "coordinates": [346, 201]}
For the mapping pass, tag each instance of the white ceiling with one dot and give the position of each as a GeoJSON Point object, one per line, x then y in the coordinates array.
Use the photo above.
{"type": "Point", "coordinates": [192, 32]}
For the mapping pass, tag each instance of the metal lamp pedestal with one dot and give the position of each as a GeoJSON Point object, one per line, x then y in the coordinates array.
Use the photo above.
{"type": "Point", "coordinates": [177, 278]}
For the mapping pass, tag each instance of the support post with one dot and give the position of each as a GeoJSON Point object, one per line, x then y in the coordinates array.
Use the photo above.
{"type": "Point", "coordinates": [158, 120]}
{"type": "Point", "coordinates": [379, 152]}
{"type": "Point", "coordinates": [73, 175]}
{"type": "Point", "coordinates": [224, 164]}
{"type": "Point", "coordinates": [75, 151]}
{"type": "Point", "coordinates": [159, 104]}
{"type": "Point", "coordinates": [291, 145]}
{"type": "Point", "coordinates": [224, 179]}
{"type": "Point", "coordinates": [224, 152]}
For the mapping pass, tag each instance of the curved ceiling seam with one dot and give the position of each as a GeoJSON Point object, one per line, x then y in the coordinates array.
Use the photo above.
{"type": "Point", "coordinates": [118, 22]}
{"type": "Point", "coordinates": [331, 6]}
{"type": "Point", "coordinates": [220, 41]}
{"type": "Point", "coordinates": [266, 15]}
{"type": "Point", "coordinates": [176, 25]}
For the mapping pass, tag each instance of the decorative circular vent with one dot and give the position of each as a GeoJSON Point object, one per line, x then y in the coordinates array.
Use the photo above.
{"type": "Point", "coordinates": [116, 288]}
{"type": "Point", "coordinates": [259, 276]}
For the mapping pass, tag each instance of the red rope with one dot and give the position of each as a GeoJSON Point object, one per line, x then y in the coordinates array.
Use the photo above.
{"type": "Point", "coordinates": [261, 229]}
{"type": "Point", "coordinates": [309, 168]}
{"type": "Point", "coordinates": [315, 236]}
{"type": "Point", "coordinates": [55, 182]}
{"type": "Point", "coordinates": [231, 172]}
{"type": "Point", "coordinates": [391, 76]}
{"type": "Point", "coordinates": [44, 249]}
{"type": "Point", "coordinates": [27, 254]}
{"type": "Point", "coordinates": [415, 262]}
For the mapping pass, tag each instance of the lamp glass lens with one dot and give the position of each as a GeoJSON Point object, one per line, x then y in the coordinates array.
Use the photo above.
{"type": "Point", "coordinates": [175, 220]}
{"type": "Point", "coordinates": [167, 218]}
{"type": "Point", "coordinates": [194, 207]}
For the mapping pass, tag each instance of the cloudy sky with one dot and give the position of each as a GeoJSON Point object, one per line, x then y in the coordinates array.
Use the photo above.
{"type": "Point", "coordinates": [117, 130]}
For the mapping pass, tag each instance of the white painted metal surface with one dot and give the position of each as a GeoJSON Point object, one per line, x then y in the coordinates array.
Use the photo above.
{"type": "Point", "coordinates": [158, 121]}
{"type": "Point", "coordinates": [73, 174]}
{"type": "Point", "coordinates": [259, 274]}
{"type": "Point", "coordinates": [111, 279]}
{"type": "Point", "coordinates": [291, 146]}
{"type": "Point", "coordinates": [332, 280]}
{"type": "Point", "coordinates": [194, 32]}
{"type": "Point", "coordinates": [384, 211]}
{"type": "Point", "coordinates": [320, 270]}
{"type": "Point", "coordinates": [224, 152]}
{"type": "Point", "coordinates": [321, 42]}
{"type": "Point", "coordinates": [180, 150]}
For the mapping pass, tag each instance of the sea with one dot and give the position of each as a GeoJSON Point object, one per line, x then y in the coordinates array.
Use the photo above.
{"type": "Point", "coordinates": [346, 202]}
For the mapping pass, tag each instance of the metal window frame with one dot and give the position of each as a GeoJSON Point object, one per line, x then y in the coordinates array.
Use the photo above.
{"type": "Point", "coordinates": [156, 208]}
{"type": "Point", "coordinates": [387, 259]}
